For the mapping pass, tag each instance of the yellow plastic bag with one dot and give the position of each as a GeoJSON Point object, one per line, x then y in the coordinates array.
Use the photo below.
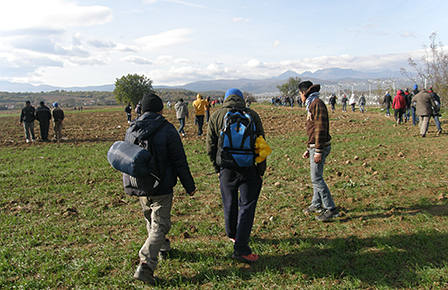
{"type": "Point", "coordinates": [262, 149]}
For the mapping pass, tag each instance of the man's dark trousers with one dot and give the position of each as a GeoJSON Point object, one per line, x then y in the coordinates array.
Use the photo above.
{"type": "Point", "coordinates": [200, 122]}
{"type": "Point", "coordinates": [239, 212]}
{"type": "Point", "coordinates": [44, 127]}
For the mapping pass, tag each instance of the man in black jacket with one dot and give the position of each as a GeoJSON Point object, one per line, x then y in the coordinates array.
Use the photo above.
{"type": "Point", "coordinates": [27, 118]}
{"type": "Point", "coordinates": [58, 118]}
{"type": "Point", "coordinates": [172, 161]}
{"type": "Point", "coordinates": [43, 115]}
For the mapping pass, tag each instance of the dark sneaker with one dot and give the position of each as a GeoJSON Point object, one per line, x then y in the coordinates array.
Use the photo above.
{"type": "Point", "coordinates": [328, 215]}
{"type": "Point", "coordinates": [312, 209]}
{"type": "Point", "coordinates": [251, 258]}
{"type": "Point", "coordinates": [163, 255]}
{"type": "Point", "coordinates": [145, 274]}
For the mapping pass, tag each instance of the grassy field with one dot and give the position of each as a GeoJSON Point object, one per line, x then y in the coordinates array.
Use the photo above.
{"type": "Point", "coordinates": [67, 224]}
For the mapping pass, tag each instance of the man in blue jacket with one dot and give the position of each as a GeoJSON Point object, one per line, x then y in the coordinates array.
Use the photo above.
{"type": "Point", "coordinates": [172, 161]}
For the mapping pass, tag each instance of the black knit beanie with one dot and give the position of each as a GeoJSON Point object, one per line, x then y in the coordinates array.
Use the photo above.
{"type": "Point", "coordinates": [152, 103]}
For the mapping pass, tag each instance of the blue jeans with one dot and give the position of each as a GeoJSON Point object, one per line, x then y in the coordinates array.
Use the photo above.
{"type": "Point", "coordinates": [361, 108]}
{"type": "Point", "coordinates": [321, 192]}
{"type": "Point", "coordinates": [182, 125]}
{"type": "Point", "coordinates": [414, 117]}
{"type": "Point", "coordinates": [408, 114]}
{"type": "Point", "coordinates": [239, 212]}
{"type": "Point", "coordinates": [436, 119]}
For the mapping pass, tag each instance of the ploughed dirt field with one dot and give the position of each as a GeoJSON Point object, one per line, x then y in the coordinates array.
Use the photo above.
{"type": "Point", "coordinates": [89, 126]}
{"type": "Point", "coordinates": [100, 126]}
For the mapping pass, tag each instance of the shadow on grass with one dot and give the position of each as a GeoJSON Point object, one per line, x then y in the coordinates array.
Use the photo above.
{"type": "Point", "coordinates": [392, 261]}
{"type": "Point", "coordinates": [435, 210]}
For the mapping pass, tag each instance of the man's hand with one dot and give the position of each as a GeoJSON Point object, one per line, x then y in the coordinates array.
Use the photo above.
{"type": "Point", "coordinates": [317, 157]}
{"type": "Point", "coordinates": [306, 154]}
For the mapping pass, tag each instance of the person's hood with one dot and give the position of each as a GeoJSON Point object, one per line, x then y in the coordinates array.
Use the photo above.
{"type": "Point", "coordinates": [234, 101]}
{"type": "Point", "coordinates": [147, 124]}
{"type": "Point", "coordinates": [199, 97]}
{"type": "Point", "coordinates": [312, 89]}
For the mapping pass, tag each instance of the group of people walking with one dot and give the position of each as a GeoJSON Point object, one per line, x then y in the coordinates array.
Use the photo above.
{"type": "Point", "coordinates": [239, 186]}
{"type": "Point", "coordinates": [418, 105]}
{"type": "Point", "coordinates": [43, 114]}
{"type": "Point", "coordinates": [352, 101]}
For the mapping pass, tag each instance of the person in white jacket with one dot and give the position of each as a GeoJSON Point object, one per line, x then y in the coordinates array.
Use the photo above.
{"type": "Point", "coordinates": [352, 102]}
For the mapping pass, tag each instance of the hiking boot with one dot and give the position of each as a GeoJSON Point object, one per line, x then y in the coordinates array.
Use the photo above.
{"type": "Point", "coordinates": [145, 274]}
{"type": "Point", "coordinates": [163, 255]}
{"type": "Point", "coordinates": [312, 209]}
{"type": "Point", "coordinates": [251, 258]}
{"type": "Point", "coordinates": [328, 215]}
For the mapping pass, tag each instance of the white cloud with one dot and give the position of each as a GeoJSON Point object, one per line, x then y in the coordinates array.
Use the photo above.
{"type": "Point", "coordinates": [186, 61]}
{"type": "Point", "coordinates": [163, 40]}
{"type": "Point", "coordinates": [239, 19]}
{"type": "Point", "coordinates": [168, 59]}
{"type": "Point", "coordinates": [137, 60]}
{"type": "Point", "coordinates": [254, 63]}
{"type": "Point", "coordinates": [408, 34]}
{"type": "Point", "coordinates": [164, 59]}
{"type": "Point", "coordinates": [50, 14]}
{"type": "Point", "coordinates": [178, 2]}
{"type": "Point", "coordinates": [276, 43]}
{"type": "Point", "coordinates": [214, 68]}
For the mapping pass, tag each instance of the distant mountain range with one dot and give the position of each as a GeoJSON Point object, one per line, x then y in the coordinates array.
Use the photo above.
{"type": "Point", "coordinates": [330, 76]}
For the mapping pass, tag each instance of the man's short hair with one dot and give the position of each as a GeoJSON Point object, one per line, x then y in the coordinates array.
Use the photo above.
{"type": "Point", "coordinates": [304, 86]}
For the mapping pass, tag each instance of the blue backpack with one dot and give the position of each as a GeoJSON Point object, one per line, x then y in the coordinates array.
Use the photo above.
{"type": "Point", "coordinates": [236, 143]}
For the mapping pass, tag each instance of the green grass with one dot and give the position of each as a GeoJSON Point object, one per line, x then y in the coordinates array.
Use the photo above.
{"type": "Point", "coordinates": [67, 224]}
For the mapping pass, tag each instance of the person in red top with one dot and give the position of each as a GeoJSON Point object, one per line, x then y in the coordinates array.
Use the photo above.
{"type": "Point", "coordinates": [399, 105]}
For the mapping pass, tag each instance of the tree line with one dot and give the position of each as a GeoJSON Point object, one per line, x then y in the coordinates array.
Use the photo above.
{"type": "Point", "coordinates": [92, 98]}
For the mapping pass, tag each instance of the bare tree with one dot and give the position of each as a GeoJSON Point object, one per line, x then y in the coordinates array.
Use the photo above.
{"type": "Point", "coordinates": [433, 69]}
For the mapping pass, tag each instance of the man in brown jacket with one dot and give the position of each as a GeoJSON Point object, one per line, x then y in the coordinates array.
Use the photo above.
{"type": "Point", "coordinates": [424, 105]}
{"type": "Point", "coordinates": [319, 147]}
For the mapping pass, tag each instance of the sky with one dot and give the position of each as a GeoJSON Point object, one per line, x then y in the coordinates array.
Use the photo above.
{"type": "Point", "coordinates": [174, 42]}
